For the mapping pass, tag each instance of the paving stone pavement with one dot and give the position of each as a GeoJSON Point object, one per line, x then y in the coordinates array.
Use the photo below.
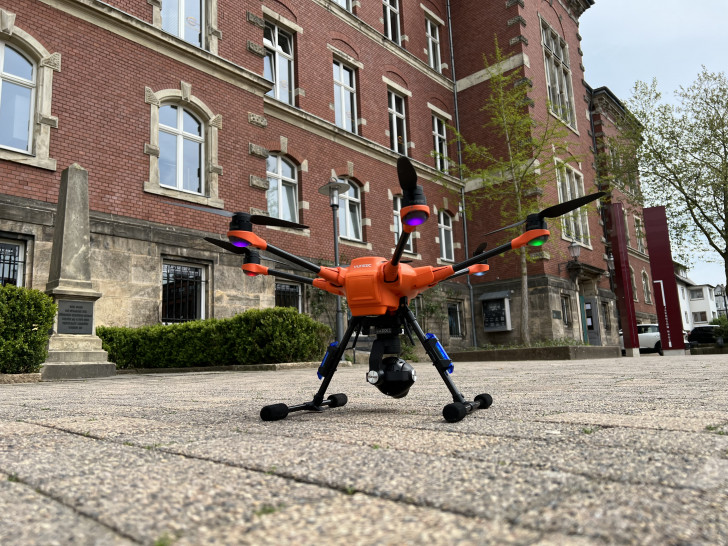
{"type": "Point", "coordinates": [608, 451]}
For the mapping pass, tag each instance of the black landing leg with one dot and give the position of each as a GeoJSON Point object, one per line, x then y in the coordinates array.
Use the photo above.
{"type": "Point", "coordinates": [459, 407]}
{"type": "Point", "coordinates": [276, 412]}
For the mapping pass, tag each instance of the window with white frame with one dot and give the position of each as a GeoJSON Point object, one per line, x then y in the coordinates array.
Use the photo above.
{"type": "Point", "coordinates": [184, 19]}
{"type": "Point", "coordinates": [444, 226]}
{"type": "Point", "coordinates": [566, 310]}
{"type": "Point", "coordinates": [700, 316]}
{"type": "Point", "coordinates": [558, 75]}
{"type": "Point", "coordinates": [639, 235]}
{"type": "Point", "coordinates": [627, 237]}
{"type": "Point", "coordinates": [439, 140]}
{"type": "Point", "coordinates": [409, 247]}
{"type": "Point", "coordinates": [575, 224]}
{"type": "Point", "coordinates": [12, 262]}
{"type": "Point", "coordinates": [282, 191]}
{"type": "Point", "coordinates": [391, 20]}
{"type": "Point", "coordinates": [346, 4]}
{"type": "Point", "coordinates": [288, 295]}
{"type": "Point", "coordinates": [278, 62]}
{"type": "Point", "coordinates": [345, 96]}
{"type": "Point", "coordinates": [17, 99]}
{"type": "Point", "coordinates": [26, 96]}
{"type": "Point", "coordinates": [183, 292]}
{"type": "Point", "coordinates": [432, 31]}
{"type": "Point", "coordinates": [397, 123]}
{"type": "Point", "coordinates": [696, 294]}
{"type": "Point", "coordinates": [646, 287]}
{"type": "Point", "coordinates": [453, 319]}
{"type": "Point", "coordinates": [181, 149]}
{"type": "Point", "coordinates": [350, 212]}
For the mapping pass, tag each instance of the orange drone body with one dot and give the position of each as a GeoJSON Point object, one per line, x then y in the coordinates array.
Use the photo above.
{"type": "Point", "coordinates": [368, 292]}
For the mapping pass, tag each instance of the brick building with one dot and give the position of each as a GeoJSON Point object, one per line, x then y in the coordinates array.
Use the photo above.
{"type": "Point", "coordinates": [250, 105]}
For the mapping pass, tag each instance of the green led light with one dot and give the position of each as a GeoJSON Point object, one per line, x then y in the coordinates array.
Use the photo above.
{"type": "Point", "coordinates": [538, 241]}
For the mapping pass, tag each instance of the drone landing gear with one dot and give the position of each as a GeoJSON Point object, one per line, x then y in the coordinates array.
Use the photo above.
{"type": "Point", "coordinates": [387, 330]}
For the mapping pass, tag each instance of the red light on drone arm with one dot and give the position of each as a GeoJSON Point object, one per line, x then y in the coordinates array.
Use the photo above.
{"type": "Point", "coordinates": [533, 237]}
{"type": "Point", "coordinates": [246, 238]}
{"type": "Point", "coordinates": [253, 270]}
{"type": "Point", "coordinates": [413, 216]}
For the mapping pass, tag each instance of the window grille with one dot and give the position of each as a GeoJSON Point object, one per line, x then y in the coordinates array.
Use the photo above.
{"type": "Point", "coordinates": [183, 293]}
{"type": "Point", "coordinates": [12, 263]}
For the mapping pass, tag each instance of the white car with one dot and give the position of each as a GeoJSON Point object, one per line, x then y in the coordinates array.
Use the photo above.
{"type": "Point", "coordinates": [649, 336]}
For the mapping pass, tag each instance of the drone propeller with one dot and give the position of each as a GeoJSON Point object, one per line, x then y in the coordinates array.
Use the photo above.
{"type": "Point", "coordinates": [246, 251]}
{"type": "Point", "coordinates": [556, 210]}
{"type": "Point", "coordinates": [406, 174]}
{"type": "Point", "coordinates": [480, 249]}
{"type": "Point", "coordinates": [256, 219]}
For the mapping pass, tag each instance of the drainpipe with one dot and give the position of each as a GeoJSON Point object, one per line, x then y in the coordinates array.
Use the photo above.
{"type": "Point", "coordinates": [460, 175]}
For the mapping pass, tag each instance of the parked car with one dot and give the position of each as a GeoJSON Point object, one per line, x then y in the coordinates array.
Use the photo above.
{"type": "Point", "coordinates": [649, 336]}
{"type": "Point", "coordinates": [703, 334]}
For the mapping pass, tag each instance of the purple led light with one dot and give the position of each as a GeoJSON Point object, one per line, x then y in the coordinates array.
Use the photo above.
{"type": "Point", "coordinates": [238, 242]}
{"type": "Point", "coordinates": [415, 218]}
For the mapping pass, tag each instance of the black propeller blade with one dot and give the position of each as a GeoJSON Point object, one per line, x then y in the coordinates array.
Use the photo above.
{"type": "Point", "coordinates": [256, 219]}
{"type": "Point", "coordinates": [557, 210]}
{"type": "Point", "coordinates": [562, 208]}
{"type": "Point", "coordinates": [480, 249]}
{"type": "Point", "coordinates": [406, 174]}
{"type": "Point", "coordinates": [246, 251]}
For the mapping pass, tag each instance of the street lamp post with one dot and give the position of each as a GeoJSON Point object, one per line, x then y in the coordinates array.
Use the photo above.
{"type": "Point", "coordinates": [574, 267]}
{"type": "Point", "coordinates": [333, 188]}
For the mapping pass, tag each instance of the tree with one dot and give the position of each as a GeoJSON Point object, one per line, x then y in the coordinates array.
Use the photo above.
{"type": "Point", "coordinates": [519, 159]}
{"type": "Point", "coordinates": [682, 153]}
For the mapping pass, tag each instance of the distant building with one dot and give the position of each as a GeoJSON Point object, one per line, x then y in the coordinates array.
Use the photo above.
{"type": "Point", "coordinates": [698, 302]}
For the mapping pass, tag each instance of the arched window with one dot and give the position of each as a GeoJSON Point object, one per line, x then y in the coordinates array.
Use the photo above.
{"type": "Point", "coordinates": [646, 288]}
{"type": "Point", "coordinates": [26, 96]}
{"type": "Point", "coordinates": [181, 149]}
{"type": "Point", "coordinates": [282, 191]}
{"type": "Point", "coordinates": [17, 91]}
{"type": "Point", "coordinates": [350, 212]}
{"type": "Point", "coordinates": [444, 225]}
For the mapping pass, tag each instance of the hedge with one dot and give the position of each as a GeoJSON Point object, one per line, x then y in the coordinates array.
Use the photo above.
{"type": "Point", "coordinates": [258, 336]}
{"type": "Point", "coordinates": [26, 319]}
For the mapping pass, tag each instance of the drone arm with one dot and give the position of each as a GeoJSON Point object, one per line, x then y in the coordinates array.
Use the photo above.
{"type": "Point", "coordinates": [472, 270]}
{"type": "Point", "coordinates": [290, 276]}
{"type": "Point", "coordinates": [391, 269]}
{"type": "Point", "coordinates": [480, 258]}
{"type": "Point", "coordinates": [313, 268]}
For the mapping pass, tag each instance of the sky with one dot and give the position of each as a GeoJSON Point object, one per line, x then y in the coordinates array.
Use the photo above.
{"type": "Point", "coordinates": [629, 40]}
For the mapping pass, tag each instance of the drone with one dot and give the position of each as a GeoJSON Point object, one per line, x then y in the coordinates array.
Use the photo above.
{"type": "Point", "coordinates": [378, 291]}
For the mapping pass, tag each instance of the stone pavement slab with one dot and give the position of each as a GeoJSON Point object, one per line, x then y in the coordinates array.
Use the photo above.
{"type": "Point", "coordinates": [571, 452]}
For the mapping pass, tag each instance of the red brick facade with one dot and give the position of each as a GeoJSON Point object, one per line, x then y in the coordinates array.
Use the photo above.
{"type": "Point", "coordinates": [115, 58]}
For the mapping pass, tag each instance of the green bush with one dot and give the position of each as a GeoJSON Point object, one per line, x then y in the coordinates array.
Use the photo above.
{"type": "Point", "coordinates": [722, 329]}
{"type": "Point", "coordinates": [26, 318]}
{"type": "Point", "coordinates": [255, 337]}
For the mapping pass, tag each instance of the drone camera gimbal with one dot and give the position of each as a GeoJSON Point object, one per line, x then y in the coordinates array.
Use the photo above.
{"type": "Point", "coordinates": [378, 291]}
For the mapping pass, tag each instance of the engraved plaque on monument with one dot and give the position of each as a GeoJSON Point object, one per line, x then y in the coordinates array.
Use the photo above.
{"type": "Point", "coordinates": [75, 317]}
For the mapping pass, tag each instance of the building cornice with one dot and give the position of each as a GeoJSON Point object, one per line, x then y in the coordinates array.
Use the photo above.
{"type": "Point", "coordinates": [145, 34]}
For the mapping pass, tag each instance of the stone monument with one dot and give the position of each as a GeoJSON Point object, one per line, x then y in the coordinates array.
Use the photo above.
{"type": "Point", "coordinates": [74, 350]}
